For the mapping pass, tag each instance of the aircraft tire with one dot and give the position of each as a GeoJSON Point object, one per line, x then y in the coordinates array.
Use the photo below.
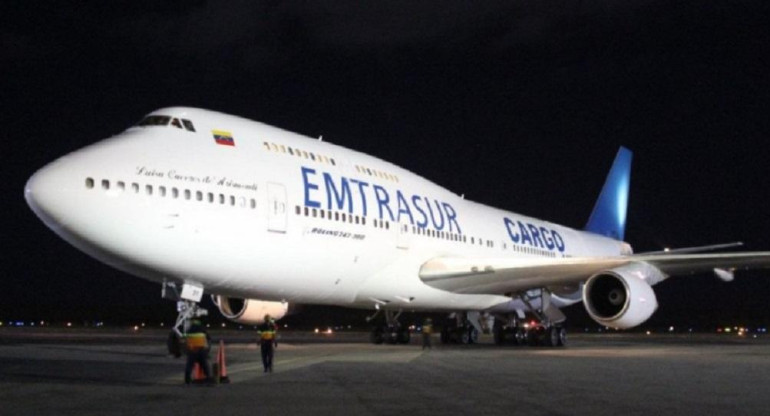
{"type": "Point", "coordinates": [519, 337]}
{"type": "Point", "coordinates": [552, 337]}
{"type": "Point", "coordinates": [174, 344]}
{"type": "Point", "coordinates": [376, 336]}
{"type": "Point", "coordinates": [404, 336]}
{"type": "Point", "coordinates": [498, 334]}
{"type": "Point", "coordinates": [465, 336]}
{"type": "Point", "coordinates": [473, 335]}
{"type": "Point", "coordinates": [562, 337]}
{"type": "Point", "coordinates": [532, 338]}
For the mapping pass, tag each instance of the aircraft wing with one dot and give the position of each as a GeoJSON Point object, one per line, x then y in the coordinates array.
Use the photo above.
{"type": "Point", "coordinates": [503, 275]}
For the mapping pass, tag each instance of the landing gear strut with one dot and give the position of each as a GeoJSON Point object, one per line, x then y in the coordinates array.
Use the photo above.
{"type": "Point", "coordinates": [187, 306]}
{"type": "Point", "coordinates": [391, 331]}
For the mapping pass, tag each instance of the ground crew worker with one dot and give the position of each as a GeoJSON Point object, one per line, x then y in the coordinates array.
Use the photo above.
{"type": "Point", "coordinates": [267, 342]}
{"type": "Point", "coordinates": [427, 330]}
{"type": "Point", "coordinates": [197, 348]}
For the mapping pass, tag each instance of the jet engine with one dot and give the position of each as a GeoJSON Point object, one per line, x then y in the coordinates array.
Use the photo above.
{"type": "Point", "coordinates": [622, 297]}
{"type": "Point", "coordinates": [249, 311]}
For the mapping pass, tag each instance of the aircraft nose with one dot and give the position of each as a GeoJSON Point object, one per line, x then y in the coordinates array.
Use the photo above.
{"type": "Point", "coordinates": [44, 191]}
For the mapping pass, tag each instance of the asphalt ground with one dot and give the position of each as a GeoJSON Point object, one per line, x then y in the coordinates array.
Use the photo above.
{"type": "Point", "coordinates": [106, 372]}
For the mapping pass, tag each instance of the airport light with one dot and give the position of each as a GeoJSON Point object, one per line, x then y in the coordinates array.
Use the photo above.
{"type": "Point", "coordinates": [316, 330]}
{"type": "Point", "coordinates": [69, 324]}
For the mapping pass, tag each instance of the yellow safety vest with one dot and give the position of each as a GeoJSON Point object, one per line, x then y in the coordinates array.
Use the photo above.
{"type": "Point", "coordinates": [196, 341]}
{"type": "Point", "coordinates": [267, 334]}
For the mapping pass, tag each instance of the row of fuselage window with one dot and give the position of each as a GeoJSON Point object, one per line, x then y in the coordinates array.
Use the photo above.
{"type": "Point", "coordinates": [281, 148]}
{"type": "Point", "coordinates": [442, 235]}
{"type": "Point", "coordinates": [378, 173]}
{"type": "Point", "coordinates": [175, 193]}
{"type": "Point", "coordinates": [232, 200]}
{"type": "Point", "coordinates": [316, 157]}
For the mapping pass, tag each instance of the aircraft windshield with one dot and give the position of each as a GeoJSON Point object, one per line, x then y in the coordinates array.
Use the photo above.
{"type": "Point", "coordinates": [155, 121]}
{"type": "Point", "coordinates": [160, 120]}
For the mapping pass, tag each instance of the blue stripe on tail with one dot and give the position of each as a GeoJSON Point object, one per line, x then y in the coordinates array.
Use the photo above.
{"type": "Point", "coordinates": [609, 215]}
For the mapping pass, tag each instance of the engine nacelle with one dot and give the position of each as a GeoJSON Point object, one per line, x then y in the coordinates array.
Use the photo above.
{"type": "Point", "coordinates": [249, 311]}
{"type": "Point", "coordinates": [622, 297]}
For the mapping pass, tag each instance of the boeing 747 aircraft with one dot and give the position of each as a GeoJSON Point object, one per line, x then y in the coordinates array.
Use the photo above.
{"type": "Point", "coordinates": [261, 218]}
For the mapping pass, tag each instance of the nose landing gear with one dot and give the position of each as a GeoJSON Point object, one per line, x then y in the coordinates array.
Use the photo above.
{"type": "Point", "coordinates": [187, 305]}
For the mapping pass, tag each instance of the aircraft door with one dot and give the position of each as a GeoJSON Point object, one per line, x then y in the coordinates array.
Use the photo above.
{"type": "Point", "coordinates": [276, 207]}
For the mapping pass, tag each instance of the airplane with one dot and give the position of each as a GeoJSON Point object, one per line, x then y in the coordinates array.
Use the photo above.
{"type": "Point", "coordinates": [262, 218]}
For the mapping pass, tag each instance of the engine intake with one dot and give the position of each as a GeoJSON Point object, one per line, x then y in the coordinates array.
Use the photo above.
{"type": "Point", "coordinates": [249, 311]}
{"type": "Point", "coordinates": [622, 297]}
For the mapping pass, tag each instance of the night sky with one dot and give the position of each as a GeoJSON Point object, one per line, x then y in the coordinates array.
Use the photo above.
{"type": "Point", "coordinates": [516, 104]}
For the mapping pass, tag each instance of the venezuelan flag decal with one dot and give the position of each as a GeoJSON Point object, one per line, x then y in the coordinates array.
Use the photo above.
{"type": "Point", "coordinates": [222, 137]}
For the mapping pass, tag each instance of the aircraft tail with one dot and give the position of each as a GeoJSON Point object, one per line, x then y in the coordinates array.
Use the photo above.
{"type": "Point", "coordinates": [609, 215]}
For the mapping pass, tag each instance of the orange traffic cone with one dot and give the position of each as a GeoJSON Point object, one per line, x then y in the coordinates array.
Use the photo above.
{"type": "Point", "coordinates": [197, 374]}
{"type": "Point", "coordinates": [221, 366]}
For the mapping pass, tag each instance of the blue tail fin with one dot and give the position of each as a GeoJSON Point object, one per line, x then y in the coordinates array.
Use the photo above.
{"type": "Point", "coordinates": [609, 215]}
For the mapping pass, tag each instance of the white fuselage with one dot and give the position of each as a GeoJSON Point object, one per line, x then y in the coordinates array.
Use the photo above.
{"type": "Point", "coordinates": [279, 216]}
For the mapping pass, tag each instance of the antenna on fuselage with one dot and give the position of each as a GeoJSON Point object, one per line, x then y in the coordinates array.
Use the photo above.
{"type": "Point", "coordinates": [321, 138]}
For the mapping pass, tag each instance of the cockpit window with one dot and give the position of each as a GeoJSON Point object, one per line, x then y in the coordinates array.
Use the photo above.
{"type": "Point", "coordinates": [188, 124]}
{"type": "Point", "coordinates": [155, 121]}
{"type": "Point", "coordinates": [158, 120]}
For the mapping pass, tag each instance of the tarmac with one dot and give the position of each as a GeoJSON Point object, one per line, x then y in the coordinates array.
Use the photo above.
{"type": "Point", "coordinates": [116, 372]}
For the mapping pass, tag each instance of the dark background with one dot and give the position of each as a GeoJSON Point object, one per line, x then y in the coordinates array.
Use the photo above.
{"type": "Point", "coordinates": [517, 104]}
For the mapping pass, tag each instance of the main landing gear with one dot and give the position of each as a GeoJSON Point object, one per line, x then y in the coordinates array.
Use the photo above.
{"type": "Point", "coordinates": [461, 328]}
{"type": "Point", "coordinates": [544, 330]}
{"type": "Point", "coordinates": [510, 331]}
{"type": "Point", "coordinates": [391, 331]}
{"type": "Point", "coordinates": [187, 300]}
